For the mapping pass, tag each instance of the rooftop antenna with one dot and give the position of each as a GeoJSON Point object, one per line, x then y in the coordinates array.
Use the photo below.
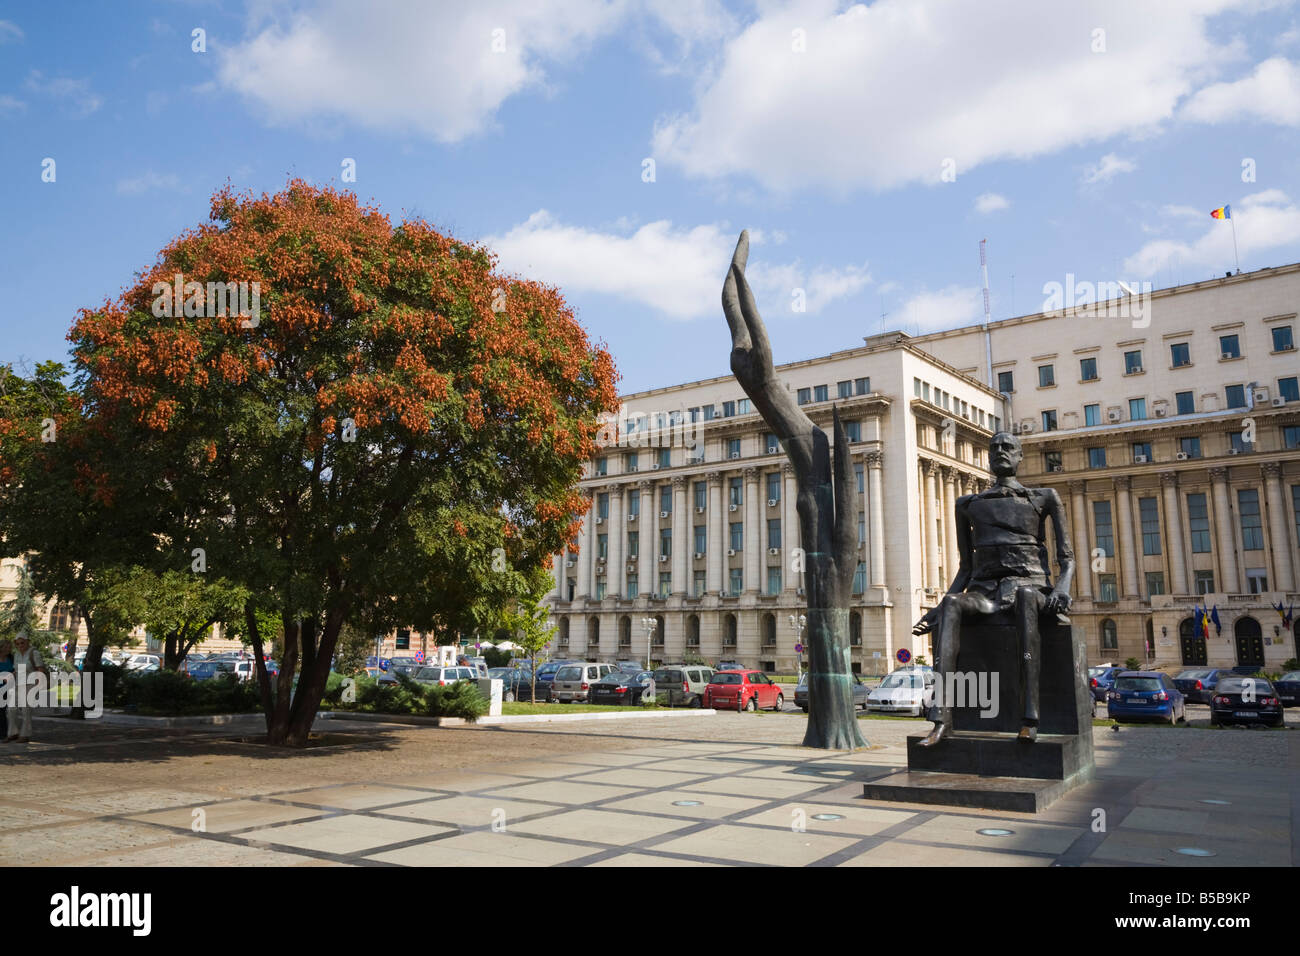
{"type": "Point", "coordinates": [988, 340]}
{"type": "Point", "coordinates": [883, 314]}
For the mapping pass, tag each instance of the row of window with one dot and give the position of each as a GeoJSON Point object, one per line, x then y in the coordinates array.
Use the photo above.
{"type": "Point", "coordinates": [662, 457]}
{"type": "Point", "coordinates": [845, 389]}
{"type": "Point", "coordinates": [730, 631]}
{"type": "Point", "coordinates": [772, 482]}
{"type": "Point", "coordinates": [735, 583]}
{"type": "Point", "coordinates": [1189, 447]}
{"type": "Point", "coordinates": [1288, 390]}
{"type": "Point", "coordinates": [950, 403]}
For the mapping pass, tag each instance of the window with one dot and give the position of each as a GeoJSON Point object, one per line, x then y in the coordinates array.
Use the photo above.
{"type": "Point", "coordinates": [804, 396]}
{"type": "Point", "coordinates": [1088, 369]}
{"type": "Point", "coordinates": [1238, 442]}
{"type": "Point", "coordinates": [1291, 436]}
{"type": "Point", "coordinates": [859, 474]}
{"type": "Point", "coordinates": [602, 505]}
{"type": "Point", "coordinates": [632, 586]}
{"type": "Point", "coordinates": [1235, 396]}
{"type": "Point", "coordinates": [602, 466]}
{"type": "Point", "coordinates": [737, 536]}
{"type": "Point", "coordinates": [1049, 420]}
{"type": "Point", "coordinates": [1109, 636]}
{"type": "Point", "coordinates": [708, 413]}
{"type": "Point", "coordinates": [1184, 402]}
{"type": "Point", "coordinates": [774, 580]}
{"type": "Point", "coordinates": [916, 387]}
{"type": "Point", "coordinates": [853, 430]}
{"type": "Point", "coordinates": [1198, 523]}
{"type": "Point", "coordinates": [1282, 340]}
{"type": "Point", "coordinates": [633, 544]}
{"type": "Point", "coordinates": [820, 393]}
{"type": "Point", "coordinates": [1006, 382]}
{"type": "Point", "coordinates": [602, 546]}
{"type": "Point", "coordinates": [1141, 452]}
{"type": "Point", "coordinates": [728, 409]}
{"type": "Point", "coordinates": [774, 532]}
{"type": "Point", "coordinates": [1097, 457]}
{"type": "Point", "coordinates": [694, 413]}
{"type": "Point", "coordinates": [855, 629]}
{"type": "Point", "coordinates": [1289, 388]}
{"type": "Point", "coordinates": [1103, 533]}
{"type": "Point", "coordinates": [736, 492]}
{"type": "Point", "coordinates": [701, 536]}
{"type": "Point", "coordinates": [665, 589]}
{"type": "Point", "coordinates": [925, 391]}
{"type": "Point", "coordinates": [1204, 582]}
{"type": "Point", "coordinates": [1133, 362]}
{"type": "Point", "coordinates": [631, 462]}
{"type": "Point", "coordinates": [1191, 447]}
{"type": "Point", "coordinates": [666, 498]}
{"type": "Point", "coordinates": [1180, 354]}
{"type": "Point", "coordinates": [697, 587]}
{"type": "Point", "coordinates": [1295, 509]}
{"type": "Point", "coordinates": [600, 590]}
{"type": "Point", "coordinates": [1252, 530]}
{"type": "Point", "coordinates": [862, 386]}
{"type": "Point", "coordinates": [1107, 592]}
{"type": "Point", "coordinates": [771, 444]}
{"type": "Point", "coordinates": [1229, 347]}
{"type": "Point", "coordinates": [736, 581]}
{"type": "Point", "coordinates": [774, 486]}
{"type": "Point", "coordinates": [1155, 583]}
{"type": "Point", "coordinates": [1137, 409]}
{"type": "Point", "coordinates": [1149, 514]}
{"type": "Point", "coordinates": [665, 459]}
{"type": "Point", "coordinates": [733, 447]}
{"type": "Point", "coordinates": [730, 638]}
{"type": "Point", "coordinates": [1256, 580]}
{"type": "Point", "coordinates": [844, 389]}
{"type": "Point", "coordinates": [1051, 461]}
{"type": "Point", "coordinates": [1092, 414]}
{"type": "Point", "coordinates": [666, 541]}
{"type": "Point", "coordinates": [860, 578]}
{"type": "Point", "coordinates": [634, 502]}
{"type": "Point", "coordinates": [1046, 376]}
{"type": "Point", "coordinates": [701, 494]}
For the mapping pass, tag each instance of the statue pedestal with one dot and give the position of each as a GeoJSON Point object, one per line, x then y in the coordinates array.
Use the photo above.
{"type": "Point", "coordinates": [982, 764]}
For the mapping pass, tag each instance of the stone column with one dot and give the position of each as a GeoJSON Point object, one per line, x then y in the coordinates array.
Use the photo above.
{"type": "Point", "coordinates": [789, 528]}
{"type": "Point", "coordinates": [586, 555]}
{"type": "Point", "coordinates": [681, 536]}
{"type": "Point", "coordinates": [950, 558]}
{"type": "Point", "coordinates": [1283, 567]}
{"type": "Point", "coordinates": [1174, 532]}
{"type": "Point", "coordinates": [717, 547]}
{"type": "Point", "coordinates": [1229, 582]}
{"type": "Point", "coordinates": [557, 575]}
{"type": "Point", "coordinates": [1125, 553]}
{"type": "Point", "coordinates": [647, 563]}
{"type": "Point", "coordinates": [876, 522]}
{"type": "Point", "coordinates": [617, 531]}
{"type": "Point", "coordinates": [931, 528]}
{"type": "Point", "coordinates": [753, 539]}
{"type": "Point", "coordinates": [1079, 537]}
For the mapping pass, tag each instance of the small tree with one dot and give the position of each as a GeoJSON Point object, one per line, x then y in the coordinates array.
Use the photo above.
{"type": "Point", "coordinates": [532, 632]}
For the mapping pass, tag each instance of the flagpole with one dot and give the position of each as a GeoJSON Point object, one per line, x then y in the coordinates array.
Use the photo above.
{"type": "Point", "coordinates": [1234, 241]}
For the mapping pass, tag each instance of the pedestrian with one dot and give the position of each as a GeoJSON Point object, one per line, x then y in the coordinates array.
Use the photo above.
{"type": "Point", "coordinates": [6, 667]}
{"type": "Point", "coordinates": [27, 662]}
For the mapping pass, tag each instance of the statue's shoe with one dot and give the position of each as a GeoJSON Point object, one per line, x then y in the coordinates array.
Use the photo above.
{"type": "Point", "coordinates": [1028, 733]}
{"type": "Point", "coordinates": [940, 731]}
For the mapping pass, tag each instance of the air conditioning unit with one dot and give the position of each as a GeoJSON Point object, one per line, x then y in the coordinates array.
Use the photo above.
{"type": "Point", "coordinates": [1140, 459]}
{"type": "Point", "coordinates": [695, 460]}
{"type": "Point", "coordinates": [733, 507]}
{"type": "Point", "coordinates": [663, 514]}
{"type": "Point", "coordinates": [1278, 402]}
{"type": "Point", "coordinates": [1260, 395]}
{"type": "Point", "coordinates": [773, 550]}
{"type": "Point", "coordinates": [1027, 427]}
{"type": "Point", "coordinates": [1227, 355]}
{"type": "Point", "coordinates": [632, 468]}
{"type": "Point", "coordinates": [656, 466]}
{"type": "Point", "coordinates": [699, 511]}
{"type": "Point", "coordinates": [599, 520]}
{"type": "Point", "coordinates": [1161, 411]}
{"type": "Point", "coordinates": [631, 569]}
{"type": "Point", "coordinates": [631, 517]}
{"type": "Point", "coordinates": [771, 502]}
{"type": "Point", "coordinates": [569, 564]}
{"type": "Point", "coordinates": [699, 555]}
{"type": "Point", "coordinates": [735, 455]}
{"type": "Point", "coordinates": [601, 561]}
{"type": "Point", "coordinates": [1135, 370]}
{"type": "Point", "coordinates": [731, 552]}
{"type": "Point", "coordinates": [1181, 456]}
{"type": "Point", "coordinates": [663, 558]}
{"type": "Point", "coordinates": [1055, 468]}
{"type": "Point", "coordinates": [799, 591]}
{"type": "Point", "coordinates": [1113, 414]}
{"type": "Point", "coordinates": [773, 449]}
{"type": "Point", "coordinates": [1234, 451]}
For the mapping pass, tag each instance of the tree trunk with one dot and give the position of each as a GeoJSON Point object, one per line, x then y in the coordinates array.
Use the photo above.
{"type": "Point", "coordinates": [93, 664]}
{"type": "Point", "coordinates": [315, 675]}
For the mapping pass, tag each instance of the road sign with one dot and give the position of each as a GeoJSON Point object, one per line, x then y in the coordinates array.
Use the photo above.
{"type": "Point", "coordinates": [419, 657]}
{"type": "Point", "coordinates": [798, 648]}
{"type": "Point", "coordinates": [903, 655]}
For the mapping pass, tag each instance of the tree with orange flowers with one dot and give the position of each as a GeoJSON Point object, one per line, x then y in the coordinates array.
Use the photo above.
{"type": "Point", "coordinates": [355, 420]}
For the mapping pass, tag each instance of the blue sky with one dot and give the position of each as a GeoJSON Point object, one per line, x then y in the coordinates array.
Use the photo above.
{"type": "Point", "coordinates": [1091, 139]}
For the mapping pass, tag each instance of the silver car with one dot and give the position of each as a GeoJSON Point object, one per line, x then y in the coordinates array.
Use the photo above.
{"type": "Point", "coordinates": [573, 681]}
{"type": "Point", "coordinates": [902, 692]}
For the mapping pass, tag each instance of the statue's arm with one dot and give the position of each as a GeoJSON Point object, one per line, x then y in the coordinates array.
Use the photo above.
{"type": "Point", "coordinates": [1064, 552]}
{"type": "Point", "coordinates": [751, 363]}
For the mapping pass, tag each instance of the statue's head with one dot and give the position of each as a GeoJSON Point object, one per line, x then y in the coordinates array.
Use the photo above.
{"type": "Point", "coordinates": [1004, 454]}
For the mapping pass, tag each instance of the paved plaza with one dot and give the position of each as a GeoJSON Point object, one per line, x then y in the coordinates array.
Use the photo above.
{"type": "Point", "coordinates": [703, 790]}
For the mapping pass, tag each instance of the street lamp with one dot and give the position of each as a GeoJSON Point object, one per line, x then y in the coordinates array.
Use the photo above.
{"type": "Point", "coordinates": [797, 623]}
{"type": "Point", "coordinates": [650, 625]}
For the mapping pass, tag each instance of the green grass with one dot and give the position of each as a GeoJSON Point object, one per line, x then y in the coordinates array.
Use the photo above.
{"type": "Point", "coordinates": [519, 708]}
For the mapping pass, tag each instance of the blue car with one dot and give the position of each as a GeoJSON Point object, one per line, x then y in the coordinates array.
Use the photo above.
{"type": "Point", "coordinates": [1101, 678]}
{"type": "Point", "coordinates": [1145, 695]}
{"type": "Point", "coordinates": [1198, 684]}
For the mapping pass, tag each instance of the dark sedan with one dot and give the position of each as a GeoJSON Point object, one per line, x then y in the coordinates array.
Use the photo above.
{"type": "Point", "coordinates": [1101, 679]}
{"type": "Point", "coordinates": [1245, 700]}
{"type": "Point", "coordinates": [1198, 684]}
{"type": "Point", "coordinates": [620, 687]}
{"type": "Point", "coordinates": [1288, 688]}
{"type": "Point", "coordinates": [860, 691]}
{"type": "Point", "coordinates": [516, 683]}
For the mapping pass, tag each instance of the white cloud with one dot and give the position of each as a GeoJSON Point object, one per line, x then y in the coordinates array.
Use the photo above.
{"type": "Point", "coordinates": [423, 67]}
{"type": "Point", "coordinates": [946, 308]}
{"type": "Point", "coordinates": [1107, 169]}
{"type": "Point", "coordinates": [675, 271]}
{"type": "Point", "coordinates": [885, 93]}
{"type": "Point", "coordinates": [10, 32]}
{"type": "Point", "coordinates": [1264, 220]}
{"type": "Point", "coordinates": [986, 203]}
{"type": "Point", "coordinates": [75, 94]}
{"type": "Point", "coordinates": [9, 104]}
{"type": "Point", "coordinates": [1271, 93]}
{"type": "Point", "coordinates": [148, 181]}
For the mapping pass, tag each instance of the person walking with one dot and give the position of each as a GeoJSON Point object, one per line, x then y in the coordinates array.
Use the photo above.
{"type": "Point", "coordinates": [27, 662]}
{"type": "Point", "coordinates": [6, 667]}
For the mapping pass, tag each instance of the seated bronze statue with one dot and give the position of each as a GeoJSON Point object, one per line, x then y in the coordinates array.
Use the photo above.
{"type": "Point", "coordinates": [1002, 546]}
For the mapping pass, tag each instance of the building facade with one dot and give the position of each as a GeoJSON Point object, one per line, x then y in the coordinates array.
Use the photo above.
{"type": "Point", "coordinates": [1170, 426]}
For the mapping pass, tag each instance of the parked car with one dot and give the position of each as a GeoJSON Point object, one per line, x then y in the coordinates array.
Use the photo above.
{"type": "Point", "coordinates": [1198, 684]}
{"type": "Point", "coordinates": [1145, 695]}
{"type": "Point", "coordinates": [139, 662]}
{"type": "Point", "coordinates": [206, 670]}
{"type": "Point", "coordinates": [1288, 688]}
{"type": "Point", "coordinates": [404, 665]}
{"type": "Point", "coordinates": [860, 692]}
{"type": "Point", "coordinates": [903, 691]}
{"type": "Point", "coordinates": [730, 666]}
{"type": "Point", "coordinates": [632, 667]}
{"type": "Point", "coordinates": [620, 687]}
{"type": "Point", "coordinates": [1245, 700]}
{"type": "Point", "coordinates": [1100, 680]}
{"type": "Point", "coordinates": [681, 684]}
{"type": "Point", "coordinates": [442, 676]}
{"type": "Point", "coordinates": [573, 681]}
{"type": "Point", "coordinates": [516, 682]}
{"type": "Point", "coordinates": [546, 674]}
{"type": "Point", "coordinates": [743, 690]}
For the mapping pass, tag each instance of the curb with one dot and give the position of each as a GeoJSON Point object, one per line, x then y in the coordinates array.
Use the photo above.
{"type": "Point", "coordinates": [505, 719]}
{"type": "Point", "coordinates": [199, 720]}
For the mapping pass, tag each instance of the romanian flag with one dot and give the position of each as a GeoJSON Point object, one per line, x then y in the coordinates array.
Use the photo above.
{"type": "Point", "coordinates": [1205, 623]}
{"type": "Point", "coordinates": [1223, 212]}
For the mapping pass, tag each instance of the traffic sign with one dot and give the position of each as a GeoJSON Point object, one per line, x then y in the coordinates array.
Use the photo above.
{"type": "Point", "coordinates": [798, 648]}
{"type": "Point", "coordinates": [903, 655]}
{"type": "Point", "coordinates": [419, 657]}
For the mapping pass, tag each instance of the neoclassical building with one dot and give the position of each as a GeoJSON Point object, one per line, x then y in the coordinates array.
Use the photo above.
{"type": "Point", "coordinates": [1169, 424]}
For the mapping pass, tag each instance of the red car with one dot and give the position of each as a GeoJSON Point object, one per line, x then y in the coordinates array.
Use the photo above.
{"type": "Point", "coordinates": [743, 690]}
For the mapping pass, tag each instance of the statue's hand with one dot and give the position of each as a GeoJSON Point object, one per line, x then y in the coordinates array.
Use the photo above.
{"type": "Point", "coordinates": [1058, 602]}
{"type": "Point", "coordinates": [927, 622]}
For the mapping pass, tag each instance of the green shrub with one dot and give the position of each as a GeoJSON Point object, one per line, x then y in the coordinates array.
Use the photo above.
{"type": "Point", "coordinates": [460, 699]}
{"type": "Point", "coordinates": [1133, 664]}
{"type": "Point", "coordinates": [1292, 664]}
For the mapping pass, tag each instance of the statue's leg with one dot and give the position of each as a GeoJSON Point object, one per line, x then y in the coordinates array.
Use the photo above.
{"type": "Point", "coordinates": [1029, 605]}
{"type": "Point", "coordinates": [947, 644]}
